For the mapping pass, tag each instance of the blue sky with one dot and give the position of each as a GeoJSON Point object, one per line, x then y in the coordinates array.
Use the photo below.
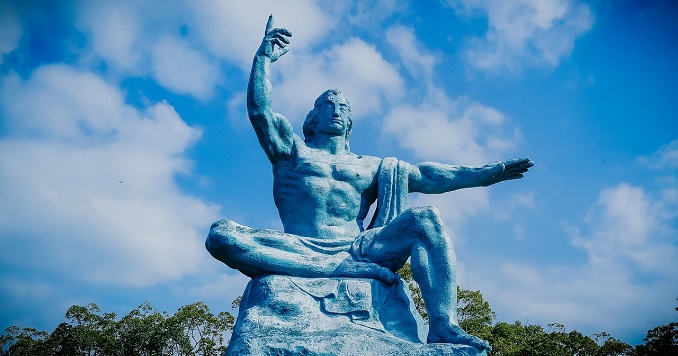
{"type": "Point", "coordinates": [151, 94]}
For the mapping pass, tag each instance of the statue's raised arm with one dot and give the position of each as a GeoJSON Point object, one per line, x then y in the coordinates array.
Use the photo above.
{"type": "Point", "coordinates": [273, 130]}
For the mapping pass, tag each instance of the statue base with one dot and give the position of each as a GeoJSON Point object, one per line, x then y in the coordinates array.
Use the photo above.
{"type": "Point", "coordinates": [282, 315]}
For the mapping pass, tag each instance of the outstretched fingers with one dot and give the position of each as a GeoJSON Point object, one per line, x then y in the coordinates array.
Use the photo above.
{"type": "Point", "coordinates": [280, 34]}
{"type": "Point", "coordinates": [280, 43]}
{"type": "Point", "coordinates": [518, 165]}
{"type": "Point", "coordinates": [510, 169]}
{"type": "Point", "coordinates": [279, 37]}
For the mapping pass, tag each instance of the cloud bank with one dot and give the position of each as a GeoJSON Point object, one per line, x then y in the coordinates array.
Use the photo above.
{"type": "Point", "coordinates": [93, 178]}
{"type": "Point", "coordinates": [525, 32]}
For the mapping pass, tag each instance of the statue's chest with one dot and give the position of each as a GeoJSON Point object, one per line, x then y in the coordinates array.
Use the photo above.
{"type": "Point", "coordinates": [330, 171]}
{"type": "Point", "coordinates": [340, 171]}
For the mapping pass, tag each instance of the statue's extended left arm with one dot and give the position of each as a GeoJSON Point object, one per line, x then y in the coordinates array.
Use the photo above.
{"type": "Point", "coordinates": [433, 177]}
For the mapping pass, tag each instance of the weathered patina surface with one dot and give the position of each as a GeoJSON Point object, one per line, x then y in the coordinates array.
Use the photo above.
{"type": "Point", "coordinates": [323, 193]}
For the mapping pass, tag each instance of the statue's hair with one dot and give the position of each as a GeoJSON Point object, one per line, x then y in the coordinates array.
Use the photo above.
{"type": "Point", "coordinates": [312, 118]}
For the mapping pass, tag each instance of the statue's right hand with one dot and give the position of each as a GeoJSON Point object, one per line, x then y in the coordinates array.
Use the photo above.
{"type": "Point", "coordinates": [275, 41]}
{"type": "Point", "coordinates": [357, 269]}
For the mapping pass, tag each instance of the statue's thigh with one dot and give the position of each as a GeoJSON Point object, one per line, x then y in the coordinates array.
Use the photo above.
{"type": "Point", "coordinates": [391, 246]}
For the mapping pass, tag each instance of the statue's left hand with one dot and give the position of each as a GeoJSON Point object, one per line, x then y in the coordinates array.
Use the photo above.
{"type": "Point", "coordinates": [507, 170]}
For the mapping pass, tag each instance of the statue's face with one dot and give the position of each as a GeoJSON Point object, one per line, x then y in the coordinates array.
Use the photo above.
{"type": "Point", "coordinates": [333, 116]}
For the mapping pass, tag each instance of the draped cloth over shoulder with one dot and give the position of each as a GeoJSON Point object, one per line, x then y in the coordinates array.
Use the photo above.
{"type": "Point", "coordinates": [392, 191]}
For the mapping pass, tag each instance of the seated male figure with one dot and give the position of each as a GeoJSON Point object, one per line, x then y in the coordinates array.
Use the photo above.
{"type": "Point", "coordinates": [323, 193]}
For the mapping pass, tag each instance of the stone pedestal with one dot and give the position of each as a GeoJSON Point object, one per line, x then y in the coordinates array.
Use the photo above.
{"type": "Point", "coordinates": [282, 315]}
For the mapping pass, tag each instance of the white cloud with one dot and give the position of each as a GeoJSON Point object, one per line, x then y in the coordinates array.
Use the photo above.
{"type": "Point", "coordinates": [417, 62]}
{"type": "Point", "coordinates": [233, 30]}
{"type": "Point", "coordinates": [457, 207]}
{"type": "Point", "coordinates": [178, 67]}
{"type": "Point", "coordinates": [504, 210]}
{"type": "Point", "coordinates": [355, 67]}
{"type": "Point", "coordinates": [525, 32]}
{"type": "Point", "coordinates": [666, 157]}
{"type": "Point", "coordinates": [367, 13]}
{"type": "Point", "coordinates": [628, 228]}
{"type": "Point", "coordinates": [71, 140]}
{"type": "Point", "coordinates": [10, 30]}
{"type": "Point", "coordinates": [437, 127]}
{"type": "Point", "coordinates": [116, 33]}
{"type": "Point", "coordinates": [210, 30]}
{"type": "Point", "coordinates": [454, 131]}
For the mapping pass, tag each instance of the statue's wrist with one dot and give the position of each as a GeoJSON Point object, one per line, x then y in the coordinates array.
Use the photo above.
{"type": "Point", "coordinates": [262, 56]}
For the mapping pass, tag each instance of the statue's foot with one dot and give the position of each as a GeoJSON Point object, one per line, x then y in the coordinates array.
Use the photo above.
{"type": "Point", "coordinates": [455, 335]}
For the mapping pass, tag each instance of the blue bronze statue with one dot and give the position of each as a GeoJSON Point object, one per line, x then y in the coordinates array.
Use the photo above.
{"type": "Point", "coordinates": [323, 193]}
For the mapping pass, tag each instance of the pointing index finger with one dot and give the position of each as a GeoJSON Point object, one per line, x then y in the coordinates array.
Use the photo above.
{"type": "Point", "coordinates": [269, 24]}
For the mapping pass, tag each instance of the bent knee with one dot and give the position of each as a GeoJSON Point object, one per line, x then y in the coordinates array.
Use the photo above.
{"type": "Point", "coordinates": [223, 238]}
{"type": "Point", "coordinates": [224, 224]}
{"type": "Point", "coordinates": [426, 220]}
{"type": "Point", "coordinates": [427, 215]}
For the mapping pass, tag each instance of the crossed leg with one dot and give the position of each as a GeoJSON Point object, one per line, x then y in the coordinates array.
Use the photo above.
{"type": "Point", "coordinates": [256, 252]}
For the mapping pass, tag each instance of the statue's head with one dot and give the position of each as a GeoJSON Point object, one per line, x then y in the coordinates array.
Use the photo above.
{"type": "Point", "coordinates": [311, 122]}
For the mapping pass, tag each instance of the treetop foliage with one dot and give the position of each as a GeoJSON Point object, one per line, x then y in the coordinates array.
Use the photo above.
{"type": "Point", "coordinates": [192, 330]}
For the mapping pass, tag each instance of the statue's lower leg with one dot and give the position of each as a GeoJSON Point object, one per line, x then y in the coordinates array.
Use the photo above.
{"type": "Point", "coordinates": [434, 271]}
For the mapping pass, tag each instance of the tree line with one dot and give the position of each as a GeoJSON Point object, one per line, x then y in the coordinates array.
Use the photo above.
{"type": "Point", "coordinates": [192, 330]}
{"type": "Point", "coordinates": [195, 330]}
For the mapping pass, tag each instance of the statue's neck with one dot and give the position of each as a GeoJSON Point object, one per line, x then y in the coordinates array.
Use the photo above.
{"type": "Point", "coordinates": [331, 144]}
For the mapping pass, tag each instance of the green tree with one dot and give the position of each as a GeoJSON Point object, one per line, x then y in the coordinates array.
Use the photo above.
{"type": "Point", "coordinates": [580, 344]}
{"type": "Point", "coordinates": [662, 340]}
{"type": "Point", "coordinates": [91, 331]}
{"type": "Point", "coordinates": [144, 331]}
{"type": "Point", "coordinates": [26, 341]}
{"type": "Point", "coordinates": [202, 333]}
{"type": "Point", "coordinates": [192, 330]}
{"type": "Point", "coordinates": [474, 313]}
{"type": "Point", "coordinates": [63, 341]}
